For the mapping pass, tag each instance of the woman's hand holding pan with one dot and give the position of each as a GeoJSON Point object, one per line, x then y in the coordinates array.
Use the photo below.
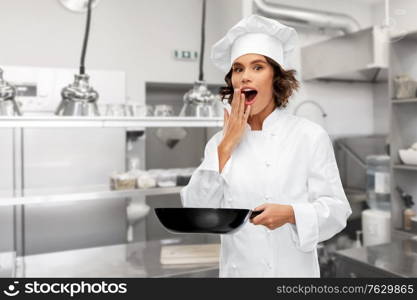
{"type": "Point", "coordinates": [274, 215]}
{"type": "Point", "coordinates": [233, 128]}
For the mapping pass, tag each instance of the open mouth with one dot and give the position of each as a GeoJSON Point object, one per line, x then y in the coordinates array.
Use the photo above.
{"type": "Point", "coordinates": [250, 95]}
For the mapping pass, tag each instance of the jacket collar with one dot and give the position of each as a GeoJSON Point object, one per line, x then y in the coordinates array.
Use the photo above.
{"type": "Point", "coordinates": [270, 120]}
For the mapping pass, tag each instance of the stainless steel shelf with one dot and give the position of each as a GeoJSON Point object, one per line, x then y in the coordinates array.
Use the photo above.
{"type": "Point", "coordinates": [405, 167]}
{"type": "Point", "coordinates": [107, 122]}
{"type": "Point", "coordinates": [97, 193]}
{"type": "Point", "coordinates": [403, 101]}
{"type": "Point", "coordinates": [404, 234]}
{"type": "Point", "coordinates": [402, 52]}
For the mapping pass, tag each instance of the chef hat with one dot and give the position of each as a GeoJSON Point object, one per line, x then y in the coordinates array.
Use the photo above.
{"type": "Point", "coordinates": [256, 34]}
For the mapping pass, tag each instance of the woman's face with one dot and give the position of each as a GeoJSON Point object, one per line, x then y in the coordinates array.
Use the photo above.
{"type": "Point", "coordinates": [254, 76]}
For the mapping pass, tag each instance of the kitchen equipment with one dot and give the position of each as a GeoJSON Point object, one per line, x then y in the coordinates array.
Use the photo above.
{"type": "Point", "coordinates": [378, 182]}
{"type": "Point", "coordinates": [8, 106]}
{"type": "Point", "coordinates": [351, 153]}
{"type": "Point", "coordinates": [190, 254]}
{"type": "Point", "coordinates": [140, 110]}
{"type": "Point", "coordinates": [135, 211]}
{"type": "Point", "coordinates": [414, 224]}
{"type": "Point", "coordinates": [408, 212]}
{"type": "Point", "coordinates": [128, 110]}
{"type": "Point", "coordinates": [184, 176]}
{"type": "Point", "coordinates": [198, 102]}
{"type": "Point", "coordinates": [204, 220]}
{"type": "Point", "coordinates": [102, 109]}
{"type": "Point", "coordinates": [122, 181]}
{"type": "Point", "coordinates": [149, 110]}
{"type": "Point", "coordinates": [358, 242]}
{"type": "Point", "coordinates": [171, 136]}
{"type": "Point", "coordinates": [167, 178]}
{"type": "Point", "coordinates": [404, 87]}
{"type": "Point", "coordinates": [376, 227]}
{"type": "Point", "coordinates": [408, 156]}
{"type": "Point", "coordinates": [318, 117]}
{"type": "Point", "coordinates": [44, 159]}
{"type": "Point", "coordinates": [356, 56]}
{"type": "Point", "coordinates": [133, 164]}
{"type": "Point", "coordinates": [163, 110]}
{"type": "Point", "coordinates": [146, 181]}
{"type": "Point", "coordinates": [116, 110]}
{"type": "Point", "coordinates": [79, 98]}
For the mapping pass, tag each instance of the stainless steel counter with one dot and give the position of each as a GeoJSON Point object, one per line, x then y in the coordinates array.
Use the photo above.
{"type": "Point", "coordinates": [140, 259]}
{"type": "Point", "coordinates": [395, 259]}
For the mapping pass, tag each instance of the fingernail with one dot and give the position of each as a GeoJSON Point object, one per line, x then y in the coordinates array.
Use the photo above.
{"type": "Point", "coordinates": [237, 89]}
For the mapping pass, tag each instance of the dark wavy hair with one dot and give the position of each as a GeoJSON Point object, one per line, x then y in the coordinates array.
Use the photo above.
{"type": "Point", "coordinates": [284, 84]}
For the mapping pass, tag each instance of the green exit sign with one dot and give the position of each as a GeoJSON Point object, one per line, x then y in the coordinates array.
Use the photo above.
{"type": "Point", "coordinates": [185, 55]}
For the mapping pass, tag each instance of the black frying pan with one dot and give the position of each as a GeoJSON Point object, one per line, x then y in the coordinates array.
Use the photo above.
{"type": "Point", "coordinates": [204, 220]}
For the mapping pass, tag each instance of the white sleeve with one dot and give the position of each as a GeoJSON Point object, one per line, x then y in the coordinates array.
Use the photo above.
{"type": "Point", "coordinates": [328, 209]}
{"type": "Point", "coordinates": [206, 185]}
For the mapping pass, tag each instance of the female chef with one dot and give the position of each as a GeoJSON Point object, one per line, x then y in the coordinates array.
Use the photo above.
{"type": "Point", "coordinates": [267, 159]}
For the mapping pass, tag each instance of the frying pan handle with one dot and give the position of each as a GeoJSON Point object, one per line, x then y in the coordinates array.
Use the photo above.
{"type": "Point", "coordinates": [254, 213]}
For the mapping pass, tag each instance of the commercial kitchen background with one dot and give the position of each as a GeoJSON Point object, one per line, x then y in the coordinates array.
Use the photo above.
{"type": "Point", "coordinates": [130, 55]}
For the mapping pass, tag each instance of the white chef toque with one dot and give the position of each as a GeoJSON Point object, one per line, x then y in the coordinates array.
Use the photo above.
{"type": "Point", "coordinates": [259, 35]}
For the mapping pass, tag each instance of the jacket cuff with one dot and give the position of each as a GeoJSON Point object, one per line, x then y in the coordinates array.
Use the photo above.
{"type": "Point", "coordinates": [212, 164]}
{"type": "Point", "coordinates": [305, 233]}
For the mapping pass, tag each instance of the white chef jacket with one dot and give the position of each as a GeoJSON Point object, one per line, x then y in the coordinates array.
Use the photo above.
{"type": "Point", "coordinates": [290, 161]}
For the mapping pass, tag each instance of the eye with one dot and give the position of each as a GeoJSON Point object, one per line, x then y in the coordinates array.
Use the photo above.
{"type": "Point", "coordinates": [258, 67]}
{"type": "Point", "coordinates": [237, 69]}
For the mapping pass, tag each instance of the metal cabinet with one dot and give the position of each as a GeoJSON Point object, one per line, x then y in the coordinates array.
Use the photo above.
{"type": "Point", "coordinates": [70, 159]}
{"type": "Point", "coordinates": [56, 161]}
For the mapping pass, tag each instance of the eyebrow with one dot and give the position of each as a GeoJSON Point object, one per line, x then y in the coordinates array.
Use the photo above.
{"type": "Point", "coordinates": [251, 63]}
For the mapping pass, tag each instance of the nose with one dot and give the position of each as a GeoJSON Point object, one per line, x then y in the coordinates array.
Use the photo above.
{"type": "Point", "coordinates": [245, 76]}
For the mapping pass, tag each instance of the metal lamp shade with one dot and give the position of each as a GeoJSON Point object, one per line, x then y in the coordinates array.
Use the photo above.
{"type": "Point", "coordinates": [198, 102]}
{"type": "Point", "coordinates": [8, 105]}
{"type": "Point", "coordinates": [78, 98]}
{"type": "Point", "coordinates": [78, 5]}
